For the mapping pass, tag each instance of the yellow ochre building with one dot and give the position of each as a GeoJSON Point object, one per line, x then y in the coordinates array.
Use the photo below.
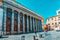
{"type": "Point", "coordinates": [54, 21]}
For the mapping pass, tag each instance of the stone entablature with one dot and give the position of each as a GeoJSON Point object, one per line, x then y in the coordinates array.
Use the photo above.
{"type": "Point", "coordinates": [21, 7]}
{"type": "Point", "coordinates": [29, 19]}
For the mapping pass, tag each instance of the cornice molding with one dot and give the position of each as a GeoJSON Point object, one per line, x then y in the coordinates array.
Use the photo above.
{"type": "Point", "coordinates": [20, 6]}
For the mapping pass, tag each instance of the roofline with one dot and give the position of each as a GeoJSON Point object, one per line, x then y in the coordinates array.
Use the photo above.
{"type": "Point", "coordinates": [19, 4]}
{"type": "Point", "coordinates": [52, 17]}
{"type": "Point", "coordinates": [27, 9]}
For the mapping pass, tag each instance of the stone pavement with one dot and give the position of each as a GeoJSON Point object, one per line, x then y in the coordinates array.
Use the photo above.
{"type": "Point", "coordinates": [52, 35]}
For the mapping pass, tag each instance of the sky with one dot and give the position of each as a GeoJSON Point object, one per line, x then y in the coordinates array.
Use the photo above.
{"type": "Point", "coordinates": [45, 8]}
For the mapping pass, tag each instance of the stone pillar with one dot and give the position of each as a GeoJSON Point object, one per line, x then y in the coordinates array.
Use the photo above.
{"type": "Point", "coordinates": [30, 24]}
{"type": "Point", "coordinates": [23, 24]}
{"type": "Point", "coordinates": [4, 12]}
{"type": "Point", "coordinates": [18, 22]}
{"type": "Point", "coordinates": [12, 26]}
{"type": "Point", "coordinates": [33, 24]}
{"type": "Point", "coordinates": [36, 25]}
{"type": "Point", "coordinates": [2, 18]}
{"type": "Point", "coordinates": [27, 24]}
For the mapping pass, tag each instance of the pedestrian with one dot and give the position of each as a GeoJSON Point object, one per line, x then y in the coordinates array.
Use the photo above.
{"type": "Point", "coordinates": [46, 31]}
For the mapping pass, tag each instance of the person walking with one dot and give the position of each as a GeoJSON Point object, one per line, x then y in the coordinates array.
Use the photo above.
{"type": "Point", "coordinates": [46, 32]}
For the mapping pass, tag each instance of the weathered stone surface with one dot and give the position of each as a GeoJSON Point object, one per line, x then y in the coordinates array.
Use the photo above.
{"type": "Point", "coordinates": [1, 0]}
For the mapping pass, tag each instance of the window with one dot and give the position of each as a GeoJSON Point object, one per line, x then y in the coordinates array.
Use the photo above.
{"type": "Point", "coordinates": [55, 19]}
{"type": "Point", "coordinates": [9, 14]}
{"type": "Point", "coordinates": [52, 23]}
{"type": "Point", "coordinates": [15, 21]}
{"type": "Point", "coordinates": [32, 23]}
{"type": "Point", "coordinates": [59, 18]}
{"type": "Point", "coordinates": [21, 22]}
{"type": "Point", "coordinates": [59, 12]}
{"type": "Point", "coordinates": [8, 20]}
{"type": "Point", "coordinates": [59, 22]}
{"type": "Point", "coordinates": [29, 22]}
{"type": "Point", "coordinates": [56, 26]}
{"type": "Point", "coordinates": [48, 24]}
{"type": "Point", "coordinates": [25, 19]}
{"type": "Point", "coordinates": [48, 19]}
{"type": "Point", "coordinates": [52, 18]}
{"type": "Point", "coordinates": [40, 26]}
{"type": "Point", "coordinates": [55, 23]}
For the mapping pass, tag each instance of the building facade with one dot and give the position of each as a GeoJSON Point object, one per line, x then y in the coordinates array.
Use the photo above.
{"type": "Point", "coordinates": [17, 19]}
{"type": "Point", "coordinates": [54, 21]}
